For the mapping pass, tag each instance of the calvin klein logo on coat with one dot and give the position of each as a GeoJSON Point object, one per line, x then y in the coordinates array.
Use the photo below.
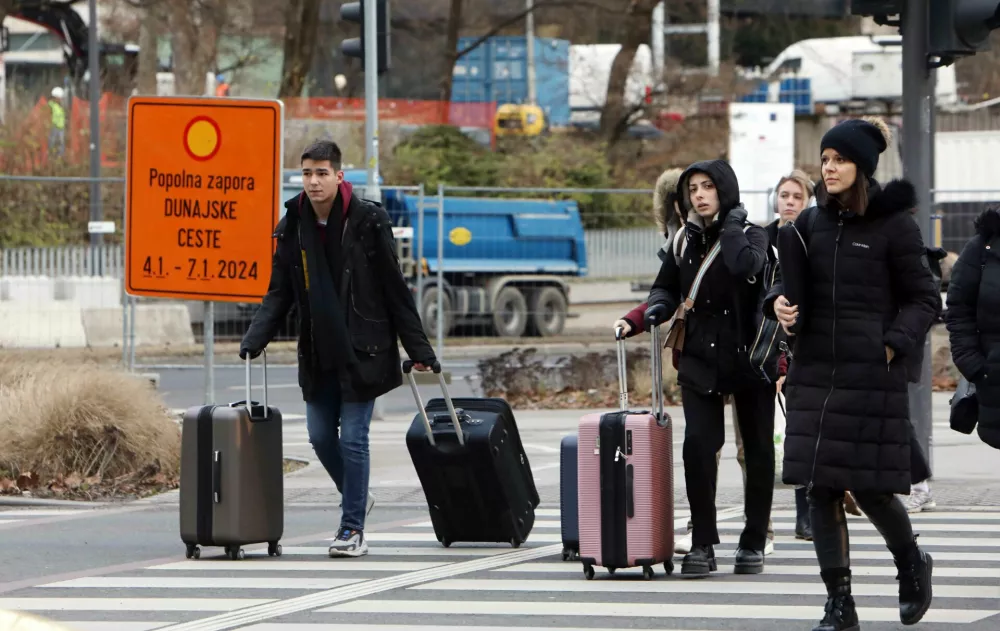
{"type": "Point", "coordinates": [861, 245]}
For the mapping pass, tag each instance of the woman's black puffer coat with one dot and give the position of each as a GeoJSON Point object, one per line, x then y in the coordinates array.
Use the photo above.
{"type": "Point", "coordinates": [867, 285]}
{"type": "Point", "coordinates": [973, 319]}
{"type": "Point", "coordinates": [722, 324]}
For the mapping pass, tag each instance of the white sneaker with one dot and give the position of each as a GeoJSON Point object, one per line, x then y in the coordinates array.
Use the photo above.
{"type": "Point", "coordinates": [769, 547]}
{"type": "Point", "coordinates": [349, 543]}
{"type": "Point", "coordinates": [918, 501]}
{"type": "Point", "coordinates": [683, 545]}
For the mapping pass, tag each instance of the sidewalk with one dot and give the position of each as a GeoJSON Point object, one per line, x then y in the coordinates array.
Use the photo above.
{"type": "Point", "coordinates": [965, 468]}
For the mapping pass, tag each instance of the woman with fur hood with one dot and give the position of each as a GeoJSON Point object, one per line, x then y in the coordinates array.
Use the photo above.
{"type": "Point", "coordinates": [858, 296]}
{"type": "Point", "coordinates": [973, 320]}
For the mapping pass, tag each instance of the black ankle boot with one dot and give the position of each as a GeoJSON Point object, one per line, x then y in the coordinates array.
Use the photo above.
{"type": "Point", "coordinates": [840, 612]}
{"type": "Point", "coordinates": [699, 562]}
{"type": "Point", "coordinates": [914, 568]}
{"type": "Point", "coordinates": [803, 527]}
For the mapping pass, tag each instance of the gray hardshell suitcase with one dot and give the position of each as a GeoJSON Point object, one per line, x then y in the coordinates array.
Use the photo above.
{"type": "Point", "coordinates": [232, 478]}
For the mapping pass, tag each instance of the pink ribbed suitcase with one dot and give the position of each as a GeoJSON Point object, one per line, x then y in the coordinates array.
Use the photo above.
{"type": "Point", "coordinates": [625, 481]}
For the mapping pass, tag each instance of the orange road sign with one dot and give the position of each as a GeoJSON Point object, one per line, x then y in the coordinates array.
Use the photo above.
{"type": "Point", "coordinates": [203, 187]}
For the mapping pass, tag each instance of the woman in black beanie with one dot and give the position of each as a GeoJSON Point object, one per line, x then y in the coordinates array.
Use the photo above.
{"type": "Point", "coordinates": [858, 297]}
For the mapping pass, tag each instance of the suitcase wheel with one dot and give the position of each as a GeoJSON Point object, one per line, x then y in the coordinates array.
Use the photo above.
{"type": "Point", "coordinates": [274, 549]}
{"type": "Point", "coordinates": [611, 571]}
{"type": "Point", "coordinates": [446, 543]}
{"type": "Point", "coordinates": [668, 567]}
{"type": "Point", "coordinates": [647, 572]}
{"type": "Point", "coordinates": [588, 572]}
{"type": "Point", "coordinates": [514, 543]}
{"type": "Point", "coordinates": [193, 551]}
{"type": "Point", "coordinates": [235, 553]}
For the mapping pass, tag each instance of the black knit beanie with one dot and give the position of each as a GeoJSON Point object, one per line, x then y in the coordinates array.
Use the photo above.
{"type": "Point", "coordinates": [857, 140]}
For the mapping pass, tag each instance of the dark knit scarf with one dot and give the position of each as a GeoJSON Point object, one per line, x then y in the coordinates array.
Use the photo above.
{"type": "Point", "coordinates": [332, 349]}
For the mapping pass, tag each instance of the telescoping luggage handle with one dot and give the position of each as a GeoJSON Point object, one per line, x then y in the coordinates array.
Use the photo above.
{"type": "Point", "coordinates": [248, 402]}
{"type": "Point", "coordinates": [436, 367]}
{"type": "Point", "coordinates": [656, 366]}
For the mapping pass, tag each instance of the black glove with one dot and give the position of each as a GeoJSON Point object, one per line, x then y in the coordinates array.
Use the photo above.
{"type": "Point", "coordinates": [254, 353]}
{"type": "Point", "coordinates": [737, 216]}
{"type": "Point", "coordinates": [656, 315]}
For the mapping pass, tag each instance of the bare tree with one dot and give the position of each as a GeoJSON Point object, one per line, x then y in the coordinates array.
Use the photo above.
{"type": "Point", "coordinates": [301, 25]}
{"type": "Point", "coordinates": [638, 22]}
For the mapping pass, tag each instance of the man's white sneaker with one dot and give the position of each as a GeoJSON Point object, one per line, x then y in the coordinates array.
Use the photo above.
{"type": "Point", "coordinates": [683, 545]}
{"type": "Point", "coordinates": [349, 543]}
{"type": "Point", "coordinates": [769, 547]}
{"type": "Point", "coordinates": [918, 501]}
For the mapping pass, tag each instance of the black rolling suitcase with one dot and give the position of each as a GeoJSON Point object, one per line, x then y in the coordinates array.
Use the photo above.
{"type": "Point", "coordinates": [569, 513]}
{"type": "Point", "coordinates": [472, 467]}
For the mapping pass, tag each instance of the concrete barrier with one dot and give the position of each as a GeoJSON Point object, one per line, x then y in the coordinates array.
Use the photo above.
{"type": "Point", "coordinates": [155, 324]}
{"type": "Point", "coordinates": [27, 289]}
{"type": "Point", "coordinates": [47, 324]}
{"type": "Point", "coordinates": [90, 292]}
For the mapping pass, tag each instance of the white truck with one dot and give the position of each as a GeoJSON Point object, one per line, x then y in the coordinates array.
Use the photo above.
{"type": "Point", "coordinates": [855, 69]}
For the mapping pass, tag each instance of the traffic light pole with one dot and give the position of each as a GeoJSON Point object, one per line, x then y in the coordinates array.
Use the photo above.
{"type": "Point", "coordinates": [373, 191]}
{"type": "Point", "coordinates": [918, 168]}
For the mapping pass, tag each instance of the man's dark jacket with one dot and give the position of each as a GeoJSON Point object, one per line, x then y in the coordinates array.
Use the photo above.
{"type": "Point", "coordinates": [376, 302]}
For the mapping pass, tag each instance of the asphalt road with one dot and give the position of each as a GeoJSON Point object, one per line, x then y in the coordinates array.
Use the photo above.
{"type": "Point", "coordinates": [124, 570]}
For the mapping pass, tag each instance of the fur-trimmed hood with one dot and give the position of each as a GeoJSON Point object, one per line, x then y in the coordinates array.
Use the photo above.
{"type": "Point", "coordinates": [663, 202]}
{"type": "Point", "coordinates": [988, 223]}
{"type": "Point", "coordinates": [898, 195]}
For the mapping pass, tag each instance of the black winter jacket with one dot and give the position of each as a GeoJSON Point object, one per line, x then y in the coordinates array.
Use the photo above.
{"type": "Point", "coordinates": [721, 326]}
{"type": "Point", "coordinates": [377, 303]}
{"type": "Point", "coordinates": [866, 285]}
{"type": "Point", "coordinates": [973, 320]}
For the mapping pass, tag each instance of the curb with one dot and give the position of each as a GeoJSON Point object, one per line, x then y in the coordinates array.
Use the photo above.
{"type": "Point", "coordinates": [14, 500]}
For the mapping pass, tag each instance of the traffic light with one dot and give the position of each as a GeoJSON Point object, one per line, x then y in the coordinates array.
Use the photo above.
{"type": "Point", "coordinates": [355, 47]}
{"type": "Point", "coordinates": [961, 27]}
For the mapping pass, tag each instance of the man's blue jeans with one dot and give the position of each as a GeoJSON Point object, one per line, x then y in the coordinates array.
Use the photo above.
{"type": "Point", "coordinates": [343, 454]}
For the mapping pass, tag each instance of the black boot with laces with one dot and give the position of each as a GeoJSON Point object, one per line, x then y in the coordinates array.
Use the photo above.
{"type": "Point", "coordinates": [841, 614]}
{"type": "Point", "coordinates": [914, 567]}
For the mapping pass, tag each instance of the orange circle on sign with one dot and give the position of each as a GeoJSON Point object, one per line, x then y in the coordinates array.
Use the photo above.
{"type": "Point", "coordinates": [202, 138]}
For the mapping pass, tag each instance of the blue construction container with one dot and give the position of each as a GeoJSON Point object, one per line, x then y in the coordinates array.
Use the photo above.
{"type": "Point", "coordinates": [496, 71]}
{"type": "Point", "coordinates": [791, 90]}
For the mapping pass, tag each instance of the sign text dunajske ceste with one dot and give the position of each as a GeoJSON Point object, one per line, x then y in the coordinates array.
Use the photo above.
{"type": "Point", "coordinates": [203, 182]}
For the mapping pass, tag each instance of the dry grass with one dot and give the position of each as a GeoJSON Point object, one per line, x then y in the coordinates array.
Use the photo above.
{"type": "Point", "coordinates": [641, 381]}
{"type": "Point", "coordinates": [67, 424]}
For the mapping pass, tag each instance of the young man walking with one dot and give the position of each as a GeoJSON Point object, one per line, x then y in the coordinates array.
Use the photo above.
{"type": "Point", "coordinates": [336, 262]}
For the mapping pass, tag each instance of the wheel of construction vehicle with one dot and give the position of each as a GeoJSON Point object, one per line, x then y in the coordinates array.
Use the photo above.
{"type": "Point", "coordinates": [510, 313]}
{"type": "Point", "coordinates": [548, 311]}
{"type": "Point", "coordinates": [429, 312]}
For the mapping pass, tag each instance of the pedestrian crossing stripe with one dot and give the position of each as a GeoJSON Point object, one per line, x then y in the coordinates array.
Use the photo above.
{"type": "Point", "coordinates": [466, 608]}
{"type": "Point", "coordinates": [410, 579]}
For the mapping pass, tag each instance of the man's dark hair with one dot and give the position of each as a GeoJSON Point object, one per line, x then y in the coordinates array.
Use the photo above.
{"type": "Point", "coordinates": [321, 150]}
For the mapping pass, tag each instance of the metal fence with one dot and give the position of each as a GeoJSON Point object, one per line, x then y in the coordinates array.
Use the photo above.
{"type": "Point", "coordinates": [535, 262]}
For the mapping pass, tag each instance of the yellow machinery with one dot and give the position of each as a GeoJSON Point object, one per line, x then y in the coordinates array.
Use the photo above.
{"type": "Point", "coordinates": [519, 120]}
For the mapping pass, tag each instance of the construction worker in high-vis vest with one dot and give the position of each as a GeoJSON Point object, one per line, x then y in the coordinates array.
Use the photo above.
{"type": "Point", "coordinates": [57, 132]}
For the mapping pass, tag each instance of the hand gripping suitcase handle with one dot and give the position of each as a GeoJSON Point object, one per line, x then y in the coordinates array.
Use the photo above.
{"type": "Point", "coordinates": [622, 369]}
{"type": "Point", "coordinates": [249, 401]}
{"type": "Point", "coordinates": [436, 367]}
